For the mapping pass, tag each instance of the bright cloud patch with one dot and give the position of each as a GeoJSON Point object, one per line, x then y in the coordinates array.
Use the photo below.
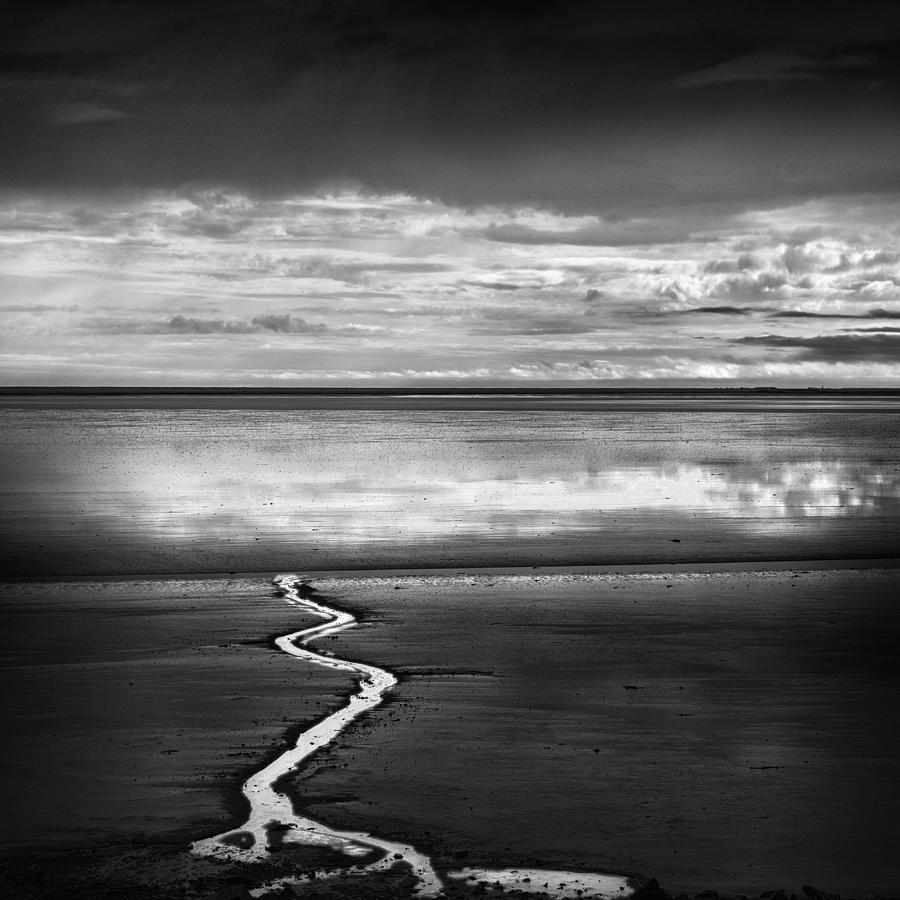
{"type": "Point", "coordinates": [216, 287]}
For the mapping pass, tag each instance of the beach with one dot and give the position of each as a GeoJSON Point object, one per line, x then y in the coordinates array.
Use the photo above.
{"type": "Point", "coordinates": [586, 651]}
{"type": "Point", "coordinates": [504, 743]}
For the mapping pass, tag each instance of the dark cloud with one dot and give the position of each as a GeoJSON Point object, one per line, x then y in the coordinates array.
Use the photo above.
{"type": "Point", "coordinates": [558, 104]}
{"type": "Point", "coordinates": [277, 323]}
{"type": "Point", "coordinates": [191, 325]}
{"type": "Point", "coordinates": [182, 324]}
{"type": "Point", "coordinates": [803, 314]}
{"type": "Point", "coordinates": [287, 324]}
{"type": "Point", "coordinates": [696, 310]}
{"type": "Point", "coordinates": [494, 285]}
{"type": "Point", "coordinates": [721, 310]}
{"type": "Point", "coordinates": [37, 309]}
{"type": "Point", "coordinates": [883, 329]}
{"type": "Point", "coordinates": [844, 347]}
{"type": "Point", "coordinates": [779, 67]}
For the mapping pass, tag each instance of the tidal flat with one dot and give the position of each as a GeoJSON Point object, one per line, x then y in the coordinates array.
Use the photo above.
{"type": "Point", "coordinates": [729, 727]}
{"type": "Point", "coordinates": [630, 637]}
{"type": "Point", "coordinates": [160, 488]}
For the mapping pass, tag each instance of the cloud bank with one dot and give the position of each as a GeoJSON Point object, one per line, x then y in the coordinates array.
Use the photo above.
{"type": "Point", "coordinates": [224, 286]}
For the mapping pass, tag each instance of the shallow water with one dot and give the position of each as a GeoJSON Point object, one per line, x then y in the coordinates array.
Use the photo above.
{"type": "Point", "coordinates": [156, 489]}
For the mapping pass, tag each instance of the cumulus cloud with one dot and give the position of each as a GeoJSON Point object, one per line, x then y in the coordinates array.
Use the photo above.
{"type": "Point", "coordinates": [877, 258]}
{"type": "Point", "coordinates": [720, 266]}
{"type": "Point", "coordinates": [802, 258]}
{"type": "Point", "coordinates": [879, 289]}
{"type": "Point", "coordinates": [742, 263]}
{"type": "Point", "coordinates": [766, 285]}
{"type": "Point", "coordinates": [821, 277]}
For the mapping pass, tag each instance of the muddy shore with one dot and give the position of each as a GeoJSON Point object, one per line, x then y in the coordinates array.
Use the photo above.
{"type": "Point", "coordinates": [476, 759]}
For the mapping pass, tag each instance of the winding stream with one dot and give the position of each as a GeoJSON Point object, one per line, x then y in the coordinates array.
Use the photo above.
{"type": "Point", "coordinates": [272, 813]}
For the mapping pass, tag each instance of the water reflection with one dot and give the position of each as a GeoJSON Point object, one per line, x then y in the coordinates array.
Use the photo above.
{"type": "Point", "coordinates": [339, 509]}
{"type": "Point", "coordinates": [229, 483]}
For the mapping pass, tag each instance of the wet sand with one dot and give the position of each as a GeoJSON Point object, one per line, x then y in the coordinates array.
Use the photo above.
{"type": "Point", "coordinates": [729, 730]}
{"type": "Point", "coordinates": [132, 710]}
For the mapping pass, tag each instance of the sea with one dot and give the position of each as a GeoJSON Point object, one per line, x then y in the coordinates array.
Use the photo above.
{"type": "Point", "coordinates": [180, 483]}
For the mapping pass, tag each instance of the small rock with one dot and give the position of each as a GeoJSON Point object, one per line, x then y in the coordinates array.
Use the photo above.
{"type": "Point", "coordinates": [815, 894]}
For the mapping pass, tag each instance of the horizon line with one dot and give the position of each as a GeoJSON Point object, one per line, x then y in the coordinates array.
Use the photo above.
{"type": "Point", "coordinates": [272, 390]}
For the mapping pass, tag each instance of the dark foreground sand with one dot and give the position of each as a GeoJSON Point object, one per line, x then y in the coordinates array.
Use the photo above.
{"type": "Point", "coordinates": [133, 709]}
{"type": "Point", "coordinates": [729, 729]}
{"type": "Point", "coordinates": [734, 730]}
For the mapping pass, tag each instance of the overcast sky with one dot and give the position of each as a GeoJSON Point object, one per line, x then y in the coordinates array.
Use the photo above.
{"type": "Point", "coordinates": [252, 192]}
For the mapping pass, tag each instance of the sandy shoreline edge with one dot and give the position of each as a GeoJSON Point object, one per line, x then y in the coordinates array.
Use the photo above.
{"type": "Point", "coordinates": [756, 565]}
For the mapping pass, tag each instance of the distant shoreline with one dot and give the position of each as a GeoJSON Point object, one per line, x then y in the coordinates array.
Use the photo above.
{"type": "Point", "coordinates": [126, 391]}
{"type": "Point", "coordinates": [413, 571]}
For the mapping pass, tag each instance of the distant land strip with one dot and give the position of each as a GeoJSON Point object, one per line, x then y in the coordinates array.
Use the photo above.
{"type": "Point", "coordinates": [130, 391]}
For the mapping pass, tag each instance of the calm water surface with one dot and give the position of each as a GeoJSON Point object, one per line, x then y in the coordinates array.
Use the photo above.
{"type": "Point", "coordinates": [153, 489]}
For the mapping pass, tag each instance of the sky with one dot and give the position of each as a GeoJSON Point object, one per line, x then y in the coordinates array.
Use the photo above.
{"type": "Point", "coordinates": [401, 193]}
